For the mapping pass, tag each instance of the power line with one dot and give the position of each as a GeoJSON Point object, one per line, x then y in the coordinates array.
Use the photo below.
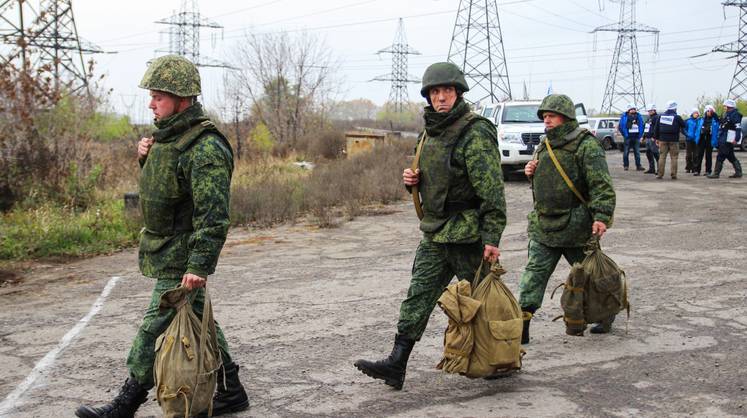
{"type": "Point", "coordinates": [477, 49]}
{"type": "Point", "coordinates": [624, 82]}
{"type": "Point", "coordinates": [738, 87]}
{"type": "Point", "coordinates": [399, 76]}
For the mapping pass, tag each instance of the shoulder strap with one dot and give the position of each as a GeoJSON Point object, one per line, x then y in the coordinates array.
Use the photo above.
{"type": "Point", "coordinates": [567, 180]}
{"type": "Point", "coordinates": [415, 165]}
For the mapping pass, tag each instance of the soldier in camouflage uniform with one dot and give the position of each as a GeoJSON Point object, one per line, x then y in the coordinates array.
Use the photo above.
{"type": "Point", "coordinates": [561, 224]}
{"type": "Point", "coordinates": [184, 194]}
{"type": "Point", "coordinates": [461, 185]}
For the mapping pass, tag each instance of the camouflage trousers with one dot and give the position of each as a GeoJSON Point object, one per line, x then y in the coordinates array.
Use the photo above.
{"type": "Point", "coordinates": [142, 353]}
{"type": "Point", "coordinates": [434, 266]}
{"type": "Point", "coordinates": [541, 265]}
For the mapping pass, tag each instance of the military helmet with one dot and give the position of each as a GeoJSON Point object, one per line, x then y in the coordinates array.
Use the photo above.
{"type": "Point", "coordinates": [443, 74]}
{"type": "Point", "coordinates": [173, 74]}
{"type": "Point", "coordinates": [557, 103]}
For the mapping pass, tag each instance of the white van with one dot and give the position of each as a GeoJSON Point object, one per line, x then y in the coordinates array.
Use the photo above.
{"type": "Point", "coordinates": [519, 130]}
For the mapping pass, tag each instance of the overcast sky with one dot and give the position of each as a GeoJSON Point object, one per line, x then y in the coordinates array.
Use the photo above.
{"type": "Point", "coordinates": [545, 41]}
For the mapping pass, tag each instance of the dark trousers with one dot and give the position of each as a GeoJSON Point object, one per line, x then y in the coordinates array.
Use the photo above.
{"type": "Point", "coordinates": [652, 157]}
{"type": "Point", "coordinates": [704, 149]}
{"type": "Point", "coordinates": [690, 154]}
{"type": "Point", "coordinates": [635, 143]}
{"type": "Point", "coordinates": [726, 152]}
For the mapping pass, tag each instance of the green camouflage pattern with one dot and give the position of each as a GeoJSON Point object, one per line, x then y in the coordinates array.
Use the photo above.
{"type": "Point", "coordinates": [443, 74]}
{"type": "Point", "coordinates": [173, 74]}
{"type": "Point", "coordinates": [142, 353]}
{"type": "Point", "coordinates": [542, 262]}
{"type": "Point", "coordinates": [434, 266]}
{"type": "Point", "coordinates": [557, 103]}
{"type": "Point", "coordinates": [184, 197]}
{"type": "Point", "coordinates": [462, 164]}
{"type": "Point", "coordinates": [559, 219]}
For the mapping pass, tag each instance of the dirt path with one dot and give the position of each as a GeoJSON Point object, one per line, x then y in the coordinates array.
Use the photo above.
{"type": "Point", "coordinates": [299, 305]}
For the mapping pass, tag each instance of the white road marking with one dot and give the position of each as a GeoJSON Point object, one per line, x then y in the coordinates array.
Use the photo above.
{"type": "Point", "coordinates": [10, 401]}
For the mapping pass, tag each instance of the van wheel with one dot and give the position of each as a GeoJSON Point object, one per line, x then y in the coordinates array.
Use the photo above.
{"type": "Point", "coordinates": [607, 143]}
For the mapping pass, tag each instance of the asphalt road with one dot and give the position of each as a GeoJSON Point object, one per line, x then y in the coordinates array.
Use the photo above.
{"type": "Point", "coordinates": [299, 305]}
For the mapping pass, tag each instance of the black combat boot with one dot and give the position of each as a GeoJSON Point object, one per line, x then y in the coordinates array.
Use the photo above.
{"type": "Point", "coordinates": [526, 315]}
{"type": "Point", "coordinates": [392, 369]}
{"type": "Point", "coordinates": [230, 396]}
{"type": "Point", "coordinates": [124, 405]}
{"type": "Point", "coordinates": [737, 170]}
{"type": "Point", "coordinates": [603, 327]}
{"type": "Point", "coordinates": [716, 170]}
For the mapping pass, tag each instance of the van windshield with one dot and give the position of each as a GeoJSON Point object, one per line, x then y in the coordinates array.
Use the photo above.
{"type": "Point", "coordinates": [521, 114]}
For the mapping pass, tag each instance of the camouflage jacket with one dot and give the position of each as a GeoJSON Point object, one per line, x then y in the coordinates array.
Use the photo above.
{"type": "Point", "coordinates": [184, 196]}
{"type": "Point", "coordinates": [559, 218]}
{"type": "Point", "coordinates": [461, 179]}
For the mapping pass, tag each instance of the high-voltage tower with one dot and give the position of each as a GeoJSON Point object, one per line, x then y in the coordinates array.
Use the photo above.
{"type": "Point", "coordinates": [477, 48]}
{"type": "Point", "coordinates": [42, 37]}
{"type": "Point", "coordinates": [738, 87]}
{"type": "Point", "coordinates": [624, 82]}
{"type": "Point", "coordinates": [184, 34]}
{"type": "Point", "coordinates": [399, 76]}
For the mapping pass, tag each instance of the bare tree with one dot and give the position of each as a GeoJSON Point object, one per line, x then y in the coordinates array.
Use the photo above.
{"type": "Point", "coordinates": [286, 79]}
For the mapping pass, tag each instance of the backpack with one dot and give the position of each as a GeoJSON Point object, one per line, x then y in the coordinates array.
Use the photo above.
{"type": "Point", "coordinates": [483, 337]}
{"type": "Point", "coordinates": [595, 289]}
{"type": "Point", "coordinates": [187, 358]}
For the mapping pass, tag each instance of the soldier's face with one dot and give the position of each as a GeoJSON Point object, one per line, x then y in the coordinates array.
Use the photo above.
{"type": "Point", "coordinates": [552, 120]}
{"type": "Point", "coordinates": [443, 98]}
{"type": "Point", "coordinates": [162, 104]}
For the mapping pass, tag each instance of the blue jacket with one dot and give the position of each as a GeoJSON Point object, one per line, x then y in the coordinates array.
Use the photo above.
{"type": "Point", "coordinates": [714, 130]}
{"type": "Point", "coordinates": [730, 121]}
{"type": "Point", "coordinates": [692, 129]}
{"type": "Point", "coordinates": [623, 126]}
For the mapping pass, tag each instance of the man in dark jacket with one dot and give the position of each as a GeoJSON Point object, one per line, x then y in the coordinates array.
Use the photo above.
{"type": "Point", "coordinates": [461, 185]}
{"type": "Point", "coordinates": [184, 193]}
{"type": "Point", "coordinates": [730, 133]}
{"type": "Point", "coordinates": [706, 141]}
{"type": "Point", "coordinates": [652, 150]}
{"type": "Point", "coordinates": [631, 128]}
{"type": "Point", "coordinates": [667, 134]}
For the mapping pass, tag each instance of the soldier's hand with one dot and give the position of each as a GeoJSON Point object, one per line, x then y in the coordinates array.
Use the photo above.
{"type": "Point", "coordinates": [410, 177]}
{"type": "Point", "coordinates": [598, 228]}
{"type": "Point", "coordinates": [193, 281]}
{"type": "Point", "coordinates": [143, 147]}
{"type": "Point", "coordinates": [530, 167]}
{"type": "Point", "coordinates": [491, 253]}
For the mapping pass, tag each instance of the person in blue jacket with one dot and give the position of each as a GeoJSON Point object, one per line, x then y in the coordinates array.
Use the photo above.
{"type": "Point", "coordinates": [707, 140]}
{"type": "Point", "coordinates": [692, 132]}
{"type": "Point", "coordinates": [729, 134]}
{"type": "Point", "coordinates": [631, 128]}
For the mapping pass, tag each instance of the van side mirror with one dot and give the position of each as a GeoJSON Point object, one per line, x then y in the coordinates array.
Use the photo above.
{"type": "Point", "coordinates": [581, 119]}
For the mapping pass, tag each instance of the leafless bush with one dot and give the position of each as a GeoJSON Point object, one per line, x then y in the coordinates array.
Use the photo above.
{"type": "Point", "coordinates": [373, 177]}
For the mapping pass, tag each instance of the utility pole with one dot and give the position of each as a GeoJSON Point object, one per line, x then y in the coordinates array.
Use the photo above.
{"type": "Point", "coordinates": [624, 82]}
{"type": "Point", "coordinates": [738, 87]}
{"type": "Point", "coordinates": [44, 37]}
{"type": "Point", "coordinates": [236, 112]}
{"type": "Point", "coordinates": [184, 34]}
{"type": "Point", "coordinates": [477, 48]}
{"type": "Point", "coordinates": [399, 76]}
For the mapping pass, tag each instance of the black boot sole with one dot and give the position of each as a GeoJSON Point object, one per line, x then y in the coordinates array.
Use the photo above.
{"type": "Point", "coordinates": [393, 382]}
{"type": "Point", "coordinates": [227, 410]}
